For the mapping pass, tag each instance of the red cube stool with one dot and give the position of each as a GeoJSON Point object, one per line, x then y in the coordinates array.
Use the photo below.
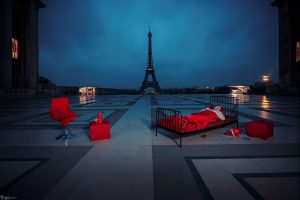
{"type": "Point", "coordinates": [261, 129]}
{"type": "Point", "coordinates": [100, 131]}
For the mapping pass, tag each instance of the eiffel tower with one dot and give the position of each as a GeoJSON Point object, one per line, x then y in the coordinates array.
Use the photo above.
{"type": "Point", "coordinates": [150, 86]}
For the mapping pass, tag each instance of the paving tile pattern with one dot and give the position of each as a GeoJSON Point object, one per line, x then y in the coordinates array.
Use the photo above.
{"type": "Point", "coordinates": [136, 164]}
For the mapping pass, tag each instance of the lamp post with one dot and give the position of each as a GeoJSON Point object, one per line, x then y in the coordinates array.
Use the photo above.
{"type": "Point", "coordinates": [265, 78]}
{"type": "Point", "coordinates": [265, 81]}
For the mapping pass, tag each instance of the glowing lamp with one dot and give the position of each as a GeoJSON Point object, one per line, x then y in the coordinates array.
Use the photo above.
{"type": "Point", "coordinates": [265, 78]}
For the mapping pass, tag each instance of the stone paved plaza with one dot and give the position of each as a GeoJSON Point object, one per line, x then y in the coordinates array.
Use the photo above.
{"type": "Point", "coordinates": [136, 164]}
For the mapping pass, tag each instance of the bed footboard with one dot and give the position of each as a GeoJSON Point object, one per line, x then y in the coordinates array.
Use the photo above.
{"type": "Point", "coordinates": [172, 120]}
{"type": "Point", "coordinates": [162, 114]}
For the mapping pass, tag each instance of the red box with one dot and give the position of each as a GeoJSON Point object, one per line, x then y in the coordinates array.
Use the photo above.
{"type": "Point", "coordinates": [262, 129]}
{"type": "Point", "coordinates": [99, 131]}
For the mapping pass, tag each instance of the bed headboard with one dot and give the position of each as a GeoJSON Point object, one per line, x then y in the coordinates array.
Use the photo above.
{"type": "Point", "coordinates": [227, 102]}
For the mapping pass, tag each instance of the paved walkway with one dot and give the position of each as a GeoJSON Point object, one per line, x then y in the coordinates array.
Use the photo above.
{"type": "Point", "coordinates": [136, 164]}
{"type": "Point", "coordinates": [120, 168]}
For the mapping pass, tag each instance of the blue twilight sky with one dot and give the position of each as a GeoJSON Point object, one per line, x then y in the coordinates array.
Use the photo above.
{"type": "Point", "coordinates": [195, 42]}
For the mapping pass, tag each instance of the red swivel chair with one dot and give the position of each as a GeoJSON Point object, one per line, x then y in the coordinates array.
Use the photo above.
{"type": "Point", "coordinates": [60, 111]}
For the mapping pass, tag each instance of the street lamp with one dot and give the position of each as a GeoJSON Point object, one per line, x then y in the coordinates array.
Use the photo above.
{"type": "Point", "coordinates": [265, 78]}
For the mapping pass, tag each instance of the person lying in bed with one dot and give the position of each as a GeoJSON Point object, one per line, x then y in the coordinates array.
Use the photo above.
{"type": "Point", "coordinates": [206, 116]}
{"type": "Point", "coordinates": [195, 121]}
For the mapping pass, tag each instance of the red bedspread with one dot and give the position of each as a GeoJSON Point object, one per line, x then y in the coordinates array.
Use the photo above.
{"type": "Point", "coordinates": [189, 123]}
{"type": "Point", "coordinates": [202, 119]}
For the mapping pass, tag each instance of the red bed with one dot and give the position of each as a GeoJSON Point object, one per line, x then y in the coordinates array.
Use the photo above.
{"type": "Point", "coordinates": [207, 118]}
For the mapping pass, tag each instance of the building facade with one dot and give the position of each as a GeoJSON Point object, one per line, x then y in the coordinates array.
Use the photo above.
{"type": "Point", "coordinates": [289, 45]}
{"type": "Point", "coordinates": [19, 49]}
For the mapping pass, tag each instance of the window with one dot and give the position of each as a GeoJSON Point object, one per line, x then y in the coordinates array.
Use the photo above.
{"type": "Point", "coordinates": [15, 48]}
{"type": "Point", "coordinates": [298, 51]}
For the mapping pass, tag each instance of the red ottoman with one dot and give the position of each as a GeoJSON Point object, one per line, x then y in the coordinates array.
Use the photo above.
{"type": "Point", "coordinates": [262, 129]}
{"type": "Point", "coordinates": [99, 131]}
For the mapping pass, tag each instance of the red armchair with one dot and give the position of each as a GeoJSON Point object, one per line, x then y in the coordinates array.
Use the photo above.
{"type": "Point", "coordinates": [60, 111]}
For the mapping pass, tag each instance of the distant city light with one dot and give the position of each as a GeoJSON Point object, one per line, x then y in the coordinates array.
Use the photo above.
{"type": "Point", "coordinates": [87, 90]}
{"type": "Point", "coordinates": [265, 78]}
{"type": "Point", "coordinates": [239, 89]}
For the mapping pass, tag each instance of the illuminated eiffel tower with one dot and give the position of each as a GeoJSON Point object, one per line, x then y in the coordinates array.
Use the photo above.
{"type": "Point", "coordinates": [150, 86]}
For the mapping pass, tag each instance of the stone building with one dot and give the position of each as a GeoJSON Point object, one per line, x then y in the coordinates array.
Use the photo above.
{"type": "Point", "coordinates": [19, 49]}
{"type": "Point", "coordinates": [289, 45]}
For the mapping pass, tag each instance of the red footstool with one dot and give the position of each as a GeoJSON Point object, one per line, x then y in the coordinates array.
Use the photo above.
{"type": "Point", "coordinates": [261, 129]}
{"type": "Point", "coordinates": [99, 131]}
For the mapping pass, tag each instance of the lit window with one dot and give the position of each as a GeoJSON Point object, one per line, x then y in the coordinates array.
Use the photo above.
{"type": "Point", "coordinates": [298, 51]}
{"type": "Point", "coordinates": [15, 48]}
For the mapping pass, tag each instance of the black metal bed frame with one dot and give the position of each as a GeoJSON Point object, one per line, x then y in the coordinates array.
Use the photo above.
{"type": "Point", "coordinates": [230, 104]}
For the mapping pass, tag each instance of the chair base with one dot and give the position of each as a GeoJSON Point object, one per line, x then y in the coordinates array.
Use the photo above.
{"type": "Point", "coordinates": [67, 134]}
